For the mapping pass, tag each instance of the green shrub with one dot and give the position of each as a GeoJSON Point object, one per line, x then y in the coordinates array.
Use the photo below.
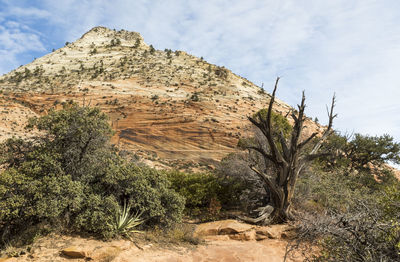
{"type": "Point", "coordinates": [205, 191]}
{"type": "Point", "coordinates": [279, 122]}
{"type": "Point", "coordinates": [72, 176]}
{"type": "Point", "coordinates": [280, 125]}
{"type": "Point", "coordinates": [198, 189]}
{"type": "Point", "coordinates": [349, 215]}
{"type": "Point", "coordinates": [28, 198]}
{"type": "Point", "coordinates": [79, 136]}
{"type": "Point", "coordinates": [96, 215]}
{"type": "Point", "coordinates": [360, 151]}
{"type": "Point", "coordinates": [147, 191]}
{"type": "Point", "coordinates": [340, 189]}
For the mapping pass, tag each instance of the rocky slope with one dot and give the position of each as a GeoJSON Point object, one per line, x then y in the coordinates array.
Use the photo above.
{"type": "Point", "coordinates": [167, 106]}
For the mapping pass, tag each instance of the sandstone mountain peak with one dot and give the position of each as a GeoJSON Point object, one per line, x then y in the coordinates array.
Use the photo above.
{"type": "Point", "coordinates": [162, 104]}
{"type": "Point", "coordinates": [100, 33]}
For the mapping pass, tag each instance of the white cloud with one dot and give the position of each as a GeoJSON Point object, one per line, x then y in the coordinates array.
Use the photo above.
{"type": "Point", "coordinates": [13, 42]}
{"type": "Point", "coordinates": [31, 12]}
{"type": "Point", "coordinates": [16, 36]}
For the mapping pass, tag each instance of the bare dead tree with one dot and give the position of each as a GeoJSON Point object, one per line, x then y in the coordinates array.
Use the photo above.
{"type": "Point", "coordinates": [287, 157]}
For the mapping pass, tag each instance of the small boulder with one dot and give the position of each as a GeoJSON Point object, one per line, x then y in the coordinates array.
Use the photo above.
{"type": "Point", "coordinates": [73, 252]}
{"type": "Point", "coordinates": [223, 227]}
{"type": "Point", "coordinates": [244, 236]}
{"type": "Point", "coordinates": [217, 238]}
{"type": "Point", "coordinates": [260, 237]}
{"type": "Point", "coordinates": [273, 231]}
{"type": "Point", "coordinates": [267, 233]}
{"type": "Point", "coordinates": [228, 227]}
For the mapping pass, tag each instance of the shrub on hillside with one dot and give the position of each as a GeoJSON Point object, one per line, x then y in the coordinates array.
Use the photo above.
{"type": "Point", "coordinates": [364, 233]}
{"type": "Point", "coordinates": [360, 151]}
{"type": "Point", "coordinates": [202, 191]}
{"type": "Point", "coordinates": [234, 168]}
{"type": "Point", "coordinates": [72, 176]}
{"type": "Point", "coordinates": [350, 216]}
{"type": "Point", "coordinates": [348, 203]}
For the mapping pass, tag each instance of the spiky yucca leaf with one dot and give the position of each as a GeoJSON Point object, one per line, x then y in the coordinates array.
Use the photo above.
{"type": "Point", "coordinates": [126, 222]}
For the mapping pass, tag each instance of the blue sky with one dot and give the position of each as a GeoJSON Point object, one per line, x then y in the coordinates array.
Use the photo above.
{"type": "Point", "coordinates": [348, 47]}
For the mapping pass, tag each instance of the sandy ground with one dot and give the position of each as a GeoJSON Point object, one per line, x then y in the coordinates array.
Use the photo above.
{"type": "Point", "coordinates": [222, 250]}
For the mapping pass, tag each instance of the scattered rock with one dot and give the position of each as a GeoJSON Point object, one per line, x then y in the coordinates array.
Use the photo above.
{"type": "Point", "coordinates": [260, 237]}
{"type": "Point", "coordinates": [273, 232]}
{"type": "Point", "coordinates": [218, 238]}
{"type": "Point", "coordinates": [223, 227]}
{"type": "Point", "coordinates": [74, 252]}
{"type": "Point", "coordinates": [244, 236]}
{"type": "Point", "coordinates": [232, 229]}
{"type": "Point", "coordinates": [268, 233]}
{"type": "Point", "coordinates": [237, 247]}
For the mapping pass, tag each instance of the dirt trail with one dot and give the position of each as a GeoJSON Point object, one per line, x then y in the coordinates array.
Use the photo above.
{"type": "Point", "coordinates": [224, 241]}
{"type": "Point", "coordinates": [271, 250]}
{"type": "Point", "coordinates": [223, 251]}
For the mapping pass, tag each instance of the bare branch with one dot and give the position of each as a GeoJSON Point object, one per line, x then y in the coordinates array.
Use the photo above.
{"type": "Point", "coordinates": [302, 144]}
{"type": "Point", "coordinates": [265, 126]}
{"type": "Point", "coordinates": [285, 148]}
{"type": "Point", "coordinates": [264, 177]}
{"type": "Point", "coordinates": [287, 158]}
{"type": "Point", "coordinates": [288, 113]}
{"type": "Point", "coordinates": [328, 130]}
{"type": "Point", "coordinates": [311, 157]}
{"type": "Point", "coordinates": [262, 152]}
{"type": "Point", "coordinates": [267, 122]}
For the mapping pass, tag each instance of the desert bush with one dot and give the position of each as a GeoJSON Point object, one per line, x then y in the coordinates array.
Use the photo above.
{"type": "Point", "coordinates": [180, 234]}
{"type": "Point", "coordinates": [333, 190]}
{"type": "Point", "coordinates": [279, 122]}
{"type": "Point", "coordinates": [234, 169]}
{"type": "Point", "coordinates": [350, 216]}
{"type": "Point", "coordinates": [360, 151]}
{"type": "Point", "coordinates": [72, 176]}
{"type": "Point", "coordinates": [364, 233]}
{"type": "Point", "coordinates": [152, 50]}
{"type": "Point", "coordinates": [13, 152]}
{"type": "Point", "coordinates": [96, 216]}
{"type": "Point", "coordinates": [198, 189]}
{"type": "Point", "coordinates": [148, 191]}
{"type": "Point", "coordinates": [79, 136]}
{"type": "Point", "coordinates": [348, 202]}
{"type": "Point", "coordinates": [205, 191]}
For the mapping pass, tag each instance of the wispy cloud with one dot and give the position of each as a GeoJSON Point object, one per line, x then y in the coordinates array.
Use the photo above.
{"type": "Point", "coordinates": [349, 47]}
{"type": "Point", "coordinates": [14, 42]}
{"type": "Point", "coordinates": [17, 37]}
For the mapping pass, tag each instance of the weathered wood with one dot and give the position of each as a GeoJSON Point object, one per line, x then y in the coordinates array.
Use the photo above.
{"type": "Point", "coordinates": [287, 159]}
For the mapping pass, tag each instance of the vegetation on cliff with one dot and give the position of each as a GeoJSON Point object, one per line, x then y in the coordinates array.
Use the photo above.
{"type": "Point", "coordinates": [72, 178]}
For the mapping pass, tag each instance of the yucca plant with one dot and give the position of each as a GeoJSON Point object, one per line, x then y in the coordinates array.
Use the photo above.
{"type": "Point", "coordinates": [126, 221]}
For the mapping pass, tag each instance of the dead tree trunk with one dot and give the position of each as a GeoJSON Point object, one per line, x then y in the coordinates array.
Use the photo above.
{"type": "Point", "coordinates": [288, 159]}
